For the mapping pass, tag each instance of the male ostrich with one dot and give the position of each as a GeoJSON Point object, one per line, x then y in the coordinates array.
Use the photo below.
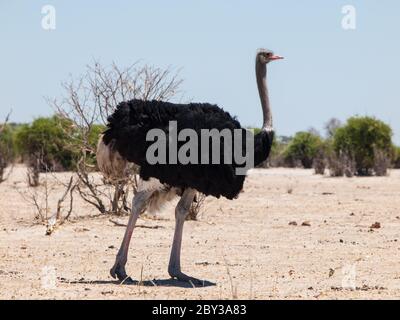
{"type": "Point", "coordinates": [125, 141]}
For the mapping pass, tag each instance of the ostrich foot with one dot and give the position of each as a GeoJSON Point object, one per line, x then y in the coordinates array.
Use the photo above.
{"type": "Point", "coordinates": [118, 271]}
{"type": "Point", "coordinates": [184, 277]}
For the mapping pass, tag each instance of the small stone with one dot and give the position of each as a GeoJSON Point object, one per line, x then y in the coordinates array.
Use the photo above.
{"type": "Point", "coordinates": [375, 225]}
{"type": "Point", "coordinates": [107, 292]}
{"type": "Point", "coordinates": [306, 224]}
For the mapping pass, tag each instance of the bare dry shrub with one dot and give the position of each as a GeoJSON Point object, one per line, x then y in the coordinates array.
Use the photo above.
{"type": "Point", "coordinates": [281, 160]}
{"type": "Point", "coordinates": [196, 206]}
{"type": "Point", "coordinates": [382, 162]}
{"type": "Point", "coordinates": [33, 172]}
{"type": "Point", "coordinates": [344, 164]}
{"type": "Point", "coordinates": [331, 127]}
{"type": "Point", "coordinates": [336, 168]}
{"type": "Point", "coordinates": [341, 164]}
{"type": "Point", "coordinates": [87, 102]}
{"type": "Point", "coordinates": [52, 215]}
{"type": "Point", "coordinates": [320, 163]}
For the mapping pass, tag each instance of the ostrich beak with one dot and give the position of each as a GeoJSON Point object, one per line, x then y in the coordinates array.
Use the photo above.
{"type": "Point", "coordinates": [276, 58]}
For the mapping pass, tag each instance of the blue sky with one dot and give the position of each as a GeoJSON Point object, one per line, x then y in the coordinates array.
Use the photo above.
{"type": "Point", "coordinates": [328, 72]}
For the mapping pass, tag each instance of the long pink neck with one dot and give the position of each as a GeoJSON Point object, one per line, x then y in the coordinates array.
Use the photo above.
{"type": "Point", "coordinates": [261, 75]}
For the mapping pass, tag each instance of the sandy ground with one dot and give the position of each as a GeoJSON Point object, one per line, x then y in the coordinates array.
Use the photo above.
{"type": "Point", "coordinates": [247, 247]}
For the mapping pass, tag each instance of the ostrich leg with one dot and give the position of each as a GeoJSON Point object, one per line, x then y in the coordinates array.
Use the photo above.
{"type": "Point", "coordinates": [181, 212]}
{"type": "Point", "coordinates": [138, 203]}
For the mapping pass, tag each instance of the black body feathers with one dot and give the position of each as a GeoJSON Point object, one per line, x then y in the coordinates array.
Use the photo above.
{"type": "Point", "coordinates": [128, 127]}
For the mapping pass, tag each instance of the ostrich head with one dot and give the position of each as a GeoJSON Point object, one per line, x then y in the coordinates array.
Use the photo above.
{"type": "Point", "coordinates": [265, 56]}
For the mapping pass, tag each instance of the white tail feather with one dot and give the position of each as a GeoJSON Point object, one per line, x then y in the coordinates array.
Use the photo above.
{"type": "Point", "coordinates": [159, 199]}
{"type": "Point", "coordinates": [112, 165]}
{"type": "Point", "coordinates": [114, 168]}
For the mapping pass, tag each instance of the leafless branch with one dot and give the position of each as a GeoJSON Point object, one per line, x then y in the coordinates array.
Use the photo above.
{"type": "Point", "coordinates": [69, 189]}
{"type": "Point", "coordinates": [4, 124]}
{"type": "Point", "coordinates": [88, 101]}
{"type": "Point", "coordinates": [196, 206]}
{"type": "Point", "coordinates": [40, 199]}
{"type": "Point", "coordinates": [57, 219]}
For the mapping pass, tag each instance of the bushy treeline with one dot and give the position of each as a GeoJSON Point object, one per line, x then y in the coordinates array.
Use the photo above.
{"type": "Point", "coordinates": [47, 144]}
{"type": "Point", "coordinates": [362, 146]}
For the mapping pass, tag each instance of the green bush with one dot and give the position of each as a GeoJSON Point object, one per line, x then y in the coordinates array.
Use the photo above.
{"type": "Point", "coordinates": [7, 148]}
{"type": "Point", "coordinates": [396, 160]}
{"type": "Point", "coordinates": [94, 135]}
{"type": "Point", "coordinates": [277, 157]}
{"type": "Point", "coordinates": [361, 139]}
{"type": "Point", "coordinates": [48, 139]}
{"type": "Point", "coordinates": [303, 148]}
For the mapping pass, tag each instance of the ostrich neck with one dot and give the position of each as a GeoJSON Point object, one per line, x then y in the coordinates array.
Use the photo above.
{"type": "Point", "coordinates": [261, 74]}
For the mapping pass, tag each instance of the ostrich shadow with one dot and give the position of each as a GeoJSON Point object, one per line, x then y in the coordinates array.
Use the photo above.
{"type": "Point", "coordinates": [170, 282]}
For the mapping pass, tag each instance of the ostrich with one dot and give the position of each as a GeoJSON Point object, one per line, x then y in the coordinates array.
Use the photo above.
{"type": "Point", "coordinates": [124, 141]}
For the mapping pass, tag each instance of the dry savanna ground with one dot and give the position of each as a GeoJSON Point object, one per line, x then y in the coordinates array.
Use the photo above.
{"type": "Point", "coordinates": [251, 248]}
